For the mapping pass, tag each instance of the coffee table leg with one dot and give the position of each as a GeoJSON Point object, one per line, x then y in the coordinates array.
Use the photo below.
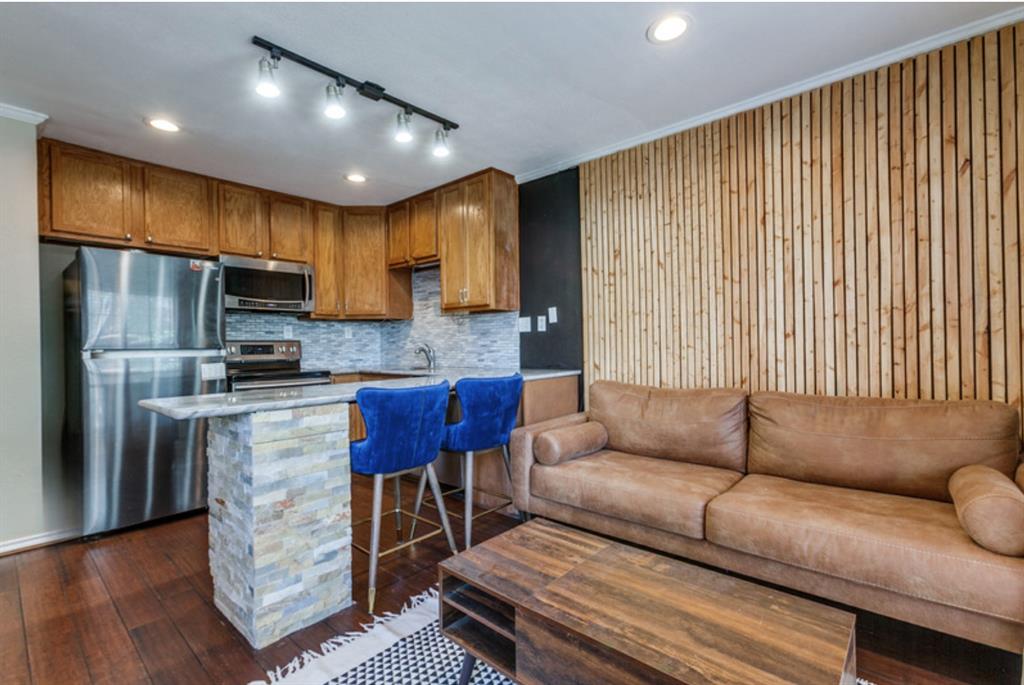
{"type": "Point", "coordinates": [468, 662]}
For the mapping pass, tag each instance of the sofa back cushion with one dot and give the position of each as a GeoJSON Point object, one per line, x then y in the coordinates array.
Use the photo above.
{"type": "Point", "coordinates": [902, 447]}
{"type": "Point", "coordinates": [697, 426]}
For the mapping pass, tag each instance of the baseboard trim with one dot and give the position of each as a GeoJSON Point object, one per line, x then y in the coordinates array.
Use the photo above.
{"type": "Point", "coordinates": [28, 542]}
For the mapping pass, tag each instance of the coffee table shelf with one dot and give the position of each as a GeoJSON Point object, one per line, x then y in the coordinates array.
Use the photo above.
{"type": "Point", "coordinates": [479, 622]}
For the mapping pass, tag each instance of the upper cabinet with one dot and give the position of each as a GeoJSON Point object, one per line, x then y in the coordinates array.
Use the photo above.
{"type": "Point", "coordinates": [242, 220]}
{"type": "Point", "coordinates": [478, 223]}
{"type": "Point", "coordinates": [257, 223]}
{"type": "Point", "coordinates": [291, 229]}
{"type": "Point", "coordinates": [423, 228]}
{"type": "Point", "coordinates": [90, 194]}
{"type": "Point", "coordinates": [326, 261]}
{"type": "Point", "coordinates": [412, 231]}
{"type": "Point", "coordinates": [398, 235]}
{"type": "Point", "coordinates": [178, 210]}
{"type": "Point", "coordinates": [369, 289]}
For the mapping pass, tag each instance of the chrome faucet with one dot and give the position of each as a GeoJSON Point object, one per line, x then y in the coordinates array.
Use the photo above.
{"type": "Point", "coordinates": [428, 352]}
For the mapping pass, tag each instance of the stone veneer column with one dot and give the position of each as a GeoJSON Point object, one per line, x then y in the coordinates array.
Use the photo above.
{"type": "Point", "coordinates": [280, 519]}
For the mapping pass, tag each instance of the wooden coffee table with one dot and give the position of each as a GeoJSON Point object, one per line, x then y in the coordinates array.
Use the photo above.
{"type": "Point", "coordinates": [544, 603]}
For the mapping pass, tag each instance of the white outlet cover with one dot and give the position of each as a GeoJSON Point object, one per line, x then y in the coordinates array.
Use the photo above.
{"type": "Point", "coordinates": [348, 333]}
{"type": "Point", "coordinates": [552, 314]}
{"type": "Point", "coordinates": [287, 331]}
{"type": "Point", "coordinates": [542, 324]}
{"type": "Point", "coordinates": [525, 324]}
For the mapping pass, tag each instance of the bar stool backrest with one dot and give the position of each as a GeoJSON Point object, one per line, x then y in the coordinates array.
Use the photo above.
{"type": "Point", "coordinates": [489, 408]}
{"type": "Point", "coordinates": [404, 428]}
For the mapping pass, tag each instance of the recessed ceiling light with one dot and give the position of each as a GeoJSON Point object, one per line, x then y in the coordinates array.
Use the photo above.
{"type": "Point", "coordinates": [667, 28]}
{"type": "Point", "coordinates": [355, 178]}
{"type": "Point", "coordinates": [164, 125]}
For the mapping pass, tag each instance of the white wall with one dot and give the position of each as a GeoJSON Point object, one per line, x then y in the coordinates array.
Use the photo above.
{"type": "Point", "coordinates": [22, 510]}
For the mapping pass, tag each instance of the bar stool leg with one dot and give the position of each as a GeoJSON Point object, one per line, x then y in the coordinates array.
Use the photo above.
{"type": "Point", "coordinates": [420, 491]}
{"type": "Point", "coordinates": [397, 481]}
{"type": "Point", "coordinates": [378, 501]}
{"type": "Point", "coordinates": [467, 483]}
{"type": "Point", "coordinates": [435, 487]}
{"type": "Point", "coordinates": [523, 515]}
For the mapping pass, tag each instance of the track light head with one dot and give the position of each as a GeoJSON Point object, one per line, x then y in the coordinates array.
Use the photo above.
{"type": "Point", "coordinates": [334, 109]}
{"type": "Point", "coordinates": [403, 134]}
{"type": "Point", "coordinates": [266, 86]}
{"type": "Point", "coordinates": [441, 143]}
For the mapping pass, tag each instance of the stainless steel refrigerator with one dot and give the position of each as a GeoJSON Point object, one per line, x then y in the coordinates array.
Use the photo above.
{"type": "Point", "coordinates": [139, 325]}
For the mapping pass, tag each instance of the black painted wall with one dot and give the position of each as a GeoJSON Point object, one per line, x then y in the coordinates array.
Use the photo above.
{"type": "Point", "coordinates": [549, 270]}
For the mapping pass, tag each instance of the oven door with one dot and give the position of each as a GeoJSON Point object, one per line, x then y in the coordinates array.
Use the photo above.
{"type": "Point", "coordinates": [264, 384]}
{"type": "Point", "coordinates": [269, 286]}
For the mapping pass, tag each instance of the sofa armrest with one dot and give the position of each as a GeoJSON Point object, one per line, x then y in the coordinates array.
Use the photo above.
{"type": "Point", "coordinates": [521, 448]}
{"type": "Point", "coordinates": [1020, 476]}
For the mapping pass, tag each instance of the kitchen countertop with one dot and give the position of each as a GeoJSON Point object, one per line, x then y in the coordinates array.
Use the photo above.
{"type": "Point", "coordinates": [250, 401]}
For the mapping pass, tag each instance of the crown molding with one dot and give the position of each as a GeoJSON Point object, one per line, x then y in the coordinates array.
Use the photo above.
{"type": "Point", "coordinates": [918, 47]}
{"type": "Point", "coordinates": [20, 114]}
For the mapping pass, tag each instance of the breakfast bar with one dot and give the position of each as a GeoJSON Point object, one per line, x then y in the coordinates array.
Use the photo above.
{"type": "Point", "coordinates": [280, 498]}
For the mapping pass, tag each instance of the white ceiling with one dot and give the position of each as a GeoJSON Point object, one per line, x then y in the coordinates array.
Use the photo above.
{"type": "Point", "coordinates": [534, 86]}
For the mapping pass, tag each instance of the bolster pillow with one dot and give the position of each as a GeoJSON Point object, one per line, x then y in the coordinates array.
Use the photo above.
{"type": "Point", "coordinates": [562, 444]}
{"type": "Point", "coordinates": [990, 508]}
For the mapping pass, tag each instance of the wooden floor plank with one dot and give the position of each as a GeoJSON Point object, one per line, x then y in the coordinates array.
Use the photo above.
{"type": "Point", "coordinates": [13, 650]}
{"type": "Point", "coordinates": [135, 601]}
{"type": "Point", "coordinates": [219, 648]}
{"type": "Point", "coordinates": [167, 656]}
{"type": "Point", "coordinates": [106, 645]}
{"type": "Point", "coordinates": [54, 651]}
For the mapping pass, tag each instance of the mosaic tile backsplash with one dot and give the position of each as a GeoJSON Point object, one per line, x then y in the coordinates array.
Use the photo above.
{"type": "Point", "coordinates": [479, 340]}
{"type": "Point", "coordinates": [487, 341]}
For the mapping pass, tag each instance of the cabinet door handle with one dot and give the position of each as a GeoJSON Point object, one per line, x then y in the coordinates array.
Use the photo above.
{"type": "Point", "coordinates": [149, 238]}
{"type": "Point", "coordinates": [274, 255]}
{"type": "Point", "coordinates": [259, 253]}
{"type": "Point", "coordinates": [127, 236]}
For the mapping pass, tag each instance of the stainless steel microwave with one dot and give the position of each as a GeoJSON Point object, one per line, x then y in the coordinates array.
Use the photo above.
{"type": "Point", "coordinates": [267, 286]}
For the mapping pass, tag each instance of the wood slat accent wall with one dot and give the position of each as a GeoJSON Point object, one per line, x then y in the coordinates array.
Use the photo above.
{"type": "Point", "coordinates": [863, 238]}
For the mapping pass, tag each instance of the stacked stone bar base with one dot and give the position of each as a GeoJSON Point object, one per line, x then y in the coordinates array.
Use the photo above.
{"type": "Point", "coordinates": [280, 519]}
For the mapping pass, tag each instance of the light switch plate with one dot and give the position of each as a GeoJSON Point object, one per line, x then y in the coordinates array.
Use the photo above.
{"type": "Point", "coordinates": [348, 333]}
{"type": "Point", "coordinates": [524, 324]}
{"type": "Point", "coordinates": [215, 371]}
{"type": "Point", "coordinates": [552, 314]}
{"type": "Point", "coordinates": [288, 331]}
{"type": "Point", "coordinates": [542, 324]}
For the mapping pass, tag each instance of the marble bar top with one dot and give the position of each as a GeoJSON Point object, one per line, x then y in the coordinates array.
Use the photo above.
{"type": "Point", "coordinates": [250, 401]}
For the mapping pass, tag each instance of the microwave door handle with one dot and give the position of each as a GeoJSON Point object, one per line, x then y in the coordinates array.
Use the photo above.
{"type": "Point", "coordinates": [309, 286]}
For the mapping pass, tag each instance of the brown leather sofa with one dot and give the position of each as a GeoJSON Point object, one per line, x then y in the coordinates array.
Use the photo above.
{"type": "Point", "coordinates": [843, 498]}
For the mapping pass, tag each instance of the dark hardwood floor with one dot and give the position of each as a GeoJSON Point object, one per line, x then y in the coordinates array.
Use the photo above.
{"type": "Point", "coordinates": [137, 607]}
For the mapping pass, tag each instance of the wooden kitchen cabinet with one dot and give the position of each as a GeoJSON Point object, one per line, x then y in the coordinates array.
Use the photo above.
{"type": "Point", "coordinates": [369, 290]}
{"type": "Point", "coordinates": [85, 195]}
{"type": "Point", "coordinates": [291, 229]}
{"type": "Point", "coordinates": [242, 220]}
{"type": "Point", "coordinates": [423, 228]}
{"type": "Point", "coordinates": [326, 258]}
{"type": "Point", "coordinates": [478, 223]}
{"type": "Point", "coordinates": [398, 235]}
{"type": "Point", "coordinates": [178, 210]}
{"type": "Point", "coordinates": [412, 231]}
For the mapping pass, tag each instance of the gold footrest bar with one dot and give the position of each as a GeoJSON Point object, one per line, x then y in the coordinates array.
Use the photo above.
{"type": "Point", "coordinates": [454, 514]}
{"type": "Point", "coordinates": [403, 545]}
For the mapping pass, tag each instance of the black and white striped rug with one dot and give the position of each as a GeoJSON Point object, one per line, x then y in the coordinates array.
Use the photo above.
{"type": "Point", "coordinates": [397, 649]}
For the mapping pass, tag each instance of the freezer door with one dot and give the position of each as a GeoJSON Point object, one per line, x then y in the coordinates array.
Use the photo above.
{"type": "Point", "coordinates": [133, 300]}
{"type": "Point", "coordinates": [139, 465]}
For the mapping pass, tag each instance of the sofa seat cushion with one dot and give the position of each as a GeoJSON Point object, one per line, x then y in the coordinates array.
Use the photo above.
{"type": "Point", "coordinates": [912, 546]}
{"type": "Point", "coordinates": [660, 493]}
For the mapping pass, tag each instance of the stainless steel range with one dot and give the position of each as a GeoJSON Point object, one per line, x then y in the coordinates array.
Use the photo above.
{"type": "Point", "coordinates": [261, 364]}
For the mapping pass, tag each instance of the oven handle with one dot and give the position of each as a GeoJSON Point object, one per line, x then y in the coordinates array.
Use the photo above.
{"type": "Point", "coordinates": [261, 385]}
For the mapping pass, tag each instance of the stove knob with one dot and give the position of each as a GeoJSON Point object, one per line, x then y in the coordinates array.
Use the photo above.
{"type": "Point", "coordinates": [292, 349]}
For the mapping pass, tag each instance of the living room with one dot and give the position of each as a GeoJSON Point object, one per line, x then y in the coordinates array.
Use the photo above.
{"type": "Point", "coordinates": [512, 342]}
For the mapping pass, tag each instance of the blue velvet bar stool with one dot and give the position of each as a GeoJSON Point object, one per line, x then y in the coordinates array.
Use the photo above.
{"type": "Point", "coordinates": [404, 430]}
{"type": "Point", "coordinates": [489, 408]}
